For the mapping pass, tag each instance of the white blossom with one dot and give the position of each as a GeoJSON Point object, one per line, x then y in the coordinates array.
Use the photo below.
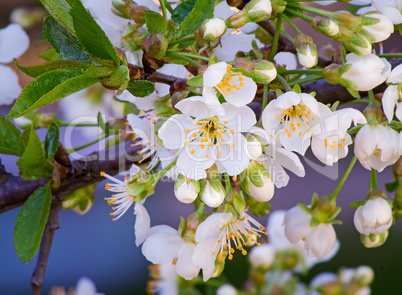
{"type": "Point", "coordinates": [381, 30]}
{"type": "Point", "coordinates": [393, 94]}
{"type": "Point", "coordinates": [374, 217]}
{"type": "Point", "coordinates": [262, 256]}
{"type": "Point", "coordinates": [390, 8]}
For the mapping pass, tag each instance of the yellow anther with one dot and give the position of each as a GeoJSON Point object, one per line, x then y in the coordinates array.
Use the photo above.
{"type": "Point", "coordinates": [187, 130]}
{"type": "Point", "coordinates": [232, 145]}
{"type": "Point", "coordinates": [203, 146]}
{"type": "Point", "coordinates": [234, 178]}
{"type": "Point", "coordinates": [102, 173]}
{"type": "Point", "coordinates": [194, 135]}
{"type": "Point", "coordinates": [343, 139]}
{"type": "Point", "coordinates": [300, 134]}
{"type": "Point", "coordinates": [232, 131]}
{"type": "Point", "coordinates": [186, 143]}
{"type": "Point", "coordinates": [377, 154]}
{"type": "Point", "coordinates": [340, 145]}
{"type": "Point", "coordinates": [230, 257]}
{"type": "Point", "coordinates": [207, 156]}
{"type": "Point", "coordinates": [174, 261]}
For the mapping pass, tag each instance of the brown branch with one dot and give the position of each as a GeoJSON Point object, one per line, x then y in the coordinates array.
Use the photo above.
{"type": "Point", "coordinates": [44, 249]}
{"type": "Point", "coordinates": [288, 44]}
{"type": "Point", "coordinates": [15, 191]}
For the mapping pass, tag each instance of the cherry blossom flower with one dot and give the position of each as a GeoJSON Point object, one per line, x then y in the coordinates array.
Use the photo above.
{"type": "Point", "coordinates": [390, 8]}
{"type": "Point", "coordinates": [220, 232]}
{"type": "Point", "coordinates": [204, 137]}
{"type": "Point", "coordinates": [13, 43]}
{"type": "Point", "coordinates": [374, 217]}
{"type": "Point", "coordinates": [393, 95]}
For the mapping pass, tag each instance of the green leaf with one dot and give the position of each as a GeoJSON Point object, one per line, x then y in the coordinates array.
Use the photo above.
{"type": "Point", "coordinates": [24, 140]}
{"type": "Point", "coordinates": [196, 81]}
{"type": "Point", "coordinates": [50, 55]}
{"type": "Point", "coordinates": [120, 76]}
{"type": "Point", "coordinates": [202, 10]}
{"type": "Point", "coordinates": [155, 22]}
{"type": "Point", "coordinates": [66, 44]}
{"type": "Point", "coordinates": [10, 137]}
{"type": "Point", "coordinates": [39, 69]}
{"type": "Point", "coordinates": [50, 87]}
{"type": "Point", "coordinates": [52, 140]}
{"type": "Point", "coordinates": [33, 164]}
{"type": "Point", "coordinates": [90, 34]}
{"type": "Point", "coordinates": [60, 10]}
{"type": "Point", "coordinates": [31, 222]}
{"type": "Point", "coordinates": [141, 88]}
{"type": "Point", "coordinates": [182, 10]}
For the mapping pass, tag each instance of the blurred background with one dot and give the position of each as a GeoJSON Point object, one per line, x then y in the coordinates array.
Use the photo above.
{"type": "Point", "coordinates": [92, 245]}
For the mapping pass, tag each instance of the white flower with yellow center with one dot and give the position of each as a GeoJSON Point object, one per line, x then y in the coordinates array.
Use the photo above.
{"type": "Point", "coordinates": [376, 146]}
{"type": "Point", "coordinates": [330, 142]}
{"type": "Point", "coordinates": [221, 234]}
{"type": "Point", "coordinates": [235, 88]}
{"type": "Point", "coordinates": [121, 201]}
{"type": "Point", "coordinates": [291, 117]}
{"type": "Point", "coordinates": [203, 137]}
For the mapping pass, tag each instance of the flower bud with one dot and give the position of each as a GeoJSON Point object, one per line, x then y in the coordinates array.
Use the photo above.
{"type": "Point", "coordinates": [258, 10]}
{"type": "Point", "coordinates": [27, 17]}
{"type": "Point", "coordinates": [211, 30]}
{"type": "Point", "coordinates": [237, 20]}
{"type": "Point", "coordinates": [374, 241]}
{"type": "Point", "coordinates": [122, 9]}
{"type": "Point", "coordinates": [262, 256]}
{"type": "Point", "coordinates": [157, 46]}
{"type": "Point", "coordinates": [213, 193]}
{"type": "Point", "coordinates": [364, 275]}
{"type": "Point", "coordinates": [256, 181]}
{"type": "Point", "coordinates": [307, 55]}
{"type": "Point", "coordinates": [376, 27]}
{"type": "Point", "coordinates": [226, 290]}
{"type": "Point", "coordinates": [325, 25]}
{"type": "Point", "coordinates": [263, 72]}
{"type": "Point", "coordinates": [186, 190]}
{"type": "Point", "coordinates": [278, 6]}
{"type": "Point", "coordinates": [374, 217]}
{"type": "Point", "coordinates": [254, 147]}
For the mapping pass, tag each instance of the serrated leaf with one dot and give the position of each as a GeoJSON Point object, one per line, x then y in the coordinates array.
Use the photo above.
{"type": "Point", "coordinates": [203, 9]}
{"type": "Point", "coordinates": [31, 222]}
{"type": "Point", "coordinates": [33, 164]}
{"type": "Point", "coordinates": [10, 137]}
{"type": "Point", "coordinates": [50, 87]}
{"type": "Point", "coordinates": [155, 22]}
{"type": "Point", "coordinates": [50, 55]}
{"type": "Point", "coordinates": [90, 34]}
{"type": "Point", "coordinates": [39, 69]}
{"type": "Point", "coordinates": [52, 140]}
{"type": "Point", "coordinates": [24, 140]}
{"type": "Point", "coordinates": [196, 81]}
{"type": "Point", "coordinates": [68, 46]}
{"type": "Point", "coordinates": [182, 10]}
{"type": "Point", "coordinates": [60, 10]}
{"type": "Point", "coordinates": [141, 88]}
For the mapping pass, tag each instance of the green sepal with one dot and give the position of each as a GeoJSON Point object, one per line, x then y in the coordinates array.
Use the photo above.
{"type": "Point", "coordinates": [354, 93]}
{"type": "Point", "coordinates": [50, 55]}
{"type": "Point", "coordinates": [196, 81]}
{"type": "Point", "coordinates": [258, 208]}
{"type": "Point", "coordinates": [102, 125]}
{"type": "Point", "coordinates": [244, 182]}
{"type": "Point", "coordinates": [357, 204]}
{"type": "Point", "coordinates": [314, 200]}
{"type": "Point", "coordinates": [392, 186]}
{"type": "Point", "coordinates": [33, 163]}
{"type": "Point", "coordinates": [297, 89]}
{"type": "Point", "coordinates": [278, 92]}
{"type": "Point", "coordinates": [304, 208]}
{"type": "Point", "coordinates": [90, 34]}
{"type": "Point", "coordinates": [216, 184]}
{"type": "Point", "coordinates": [52, 140]}
{"type": "Point", "coordinates": [80, 200]}
{"type": "Point", "coordinates": [140, 88]}
{"type": "Point", "coordinates": [10, 137]}
{"type": "Point", "coordinates": [31, 222]}
{"type": "Point", "coordinates": [239, 203]}
{"type": "Point", "coordinates": [314, 222]}
{"type": "Point", "coordinates": [39, 69]}
{"type": "Point", "coordinates": [334, 214]}
{"type": "Point", "coordinates": [179, 181]}
{"type": "Point", "coordinates": [335, 221]}
{"type": "Point", "coordinates": [67, 46]}
{"type": "Point", "coordinates": [135, 188]}
{"type": "Point", "coordinates": [197, 185]}
{"type": "Point", "coordinates": [230, 209]}
{"type": "Point", "coordinates": [335, 105]}
{"type": "Point", "coordinates": [182, 226]}
{"type": "Point", "coordinates": [155, 22]}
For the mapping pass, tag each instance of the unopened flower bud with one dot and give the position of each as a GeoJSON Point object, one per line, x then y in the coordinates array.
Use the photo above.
{"type": "Point", "coordinates": [263, 72]}
{"type": "Point", "coordinates": [157, 46]}
{"type": "Point", "coordinates": [213, 193]}
{"type": "Point", "coordinates": [373, 241]}
{"type": "Point", "coordinates": [256, 181]}
{"type": "Point", "coordinates": [325, 25]}
{"type": "Point", "coordinates": [373, 112]}
{"type": "Point", "coordinates": [138, 14]}
{"type": "Point", "coordinates": [258, 10]}
{"type": "Point", "coordinates": [376, 27]}
{"type": "Point", "coordinates": [237, 20]}
{"type": "Point", "coordinates": [364, 275]}
{"type": "Point", "coordinates": [122, 9]}
{"type": "Point", "coordinates": [226, 290]}
{"type": "Point", "coordinates": [186, 190]}
{"type": "Point", "coordinates": [211, 30]}
{"type": "Point", "coordinates": [254, 147]}
{"type": "Point", "coordinates": [278, 6]}
{"type": "Point", "coordinates": [307, 54]}
{"type": "Point", "coordinates": [374, 217]}
{"type": "Point", "coordinates": [262, 256]}
{"type": "Point", "coordinates": [27, 17]}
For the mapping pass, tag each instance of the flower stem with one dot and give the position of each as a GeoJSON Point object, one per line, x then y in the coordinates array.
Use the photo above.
{"type": "Point", "coordinates": [69, 151]}
{"type": "Point", "coordinates": [390, 55]}
{"type": "Point", "coordinates": [292, 24]}
{"type": "Point", "coordinates": [163, 8]}
{"type": "Point", "coordinates": [373, 180]}
{"type": "Point", "coordinates": [307, 18]}
{"type": "Point", "coordinates": [345, 175]}
{"type": "Point", "coordinates": [317, 72]}
{"type": "Point", "coordinates": [264, 99]}
{"type": "Point", "coordinates": [284, 83]}
{"type": "Point", "coordinates": [311, 9]}
{"type": "Point", "coordinates": [371, 97]}
{"type": "Point", "coordinates": [159, 174]}
{"type": "Point", "coordinates": [305, 80]}
{"type": "Point", "coordinates": [65, 123]}
{"type": "Point", "coordinates": [186, 54]}
{"type": "Point", "coordinates": [276, 38]}
{"type": "Point", "coordinates": [167, 4]}
{"type": "Point", "coordinates": [184, 39]}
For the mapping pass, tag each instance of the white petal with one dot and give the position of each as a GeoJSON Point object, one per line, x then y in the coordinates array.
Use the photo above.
{"type": "Point", "coordinates": [286, 58]}
{"type": "Point", "coordinates": [14, 42]}
{"type": "Point", "coordinates": [202, 256]}
{"type": "Point", "coordinates": [297, 224]}
{"type": "Point", "coordinates": [211, 225]}
{"type": "Point", "coordinates": [161, 247]}
{"type": "Point", "coordinates": [173, 131]}
{"type": "Point", "coordinates": [184, 265]}
{"type": "Point", "coordinates": [243, 96]}
{"type": "Point", "coordinates": [214, 74]}
{"type": "Point", "coordinates": [194, 106]}
{"type": "Point", "coordinates": [290, 161]}
{"type": "Point", "coordinates": [9, 87]}
{"type": "Point", "coordinates": [240, 118]}
{"type": "Point", "coordinates": [142, 223]}
{"type": "Point", "coordinates": [395, 76]}
{"type": "Point", "coordinates": [321, 240]}
{"type": "Point", "coordinates": [210, 98]}
{"type": "Point", "coordinates": [398, 111]}
{"type": "Point", "coordinates": [389, 100]}
{"type": "Point", "coordinates": [85, 286]}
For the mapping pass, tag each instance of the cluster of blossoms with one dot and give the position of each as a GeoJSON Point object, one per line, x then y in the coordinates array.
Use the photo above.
{"type": "Point", "coordinates": [228, 129]}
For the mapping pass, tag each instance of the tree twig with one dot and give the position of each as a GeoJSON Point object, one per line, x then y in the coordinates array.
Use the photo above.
{"type": "Point", "coordinates": [44, 249]}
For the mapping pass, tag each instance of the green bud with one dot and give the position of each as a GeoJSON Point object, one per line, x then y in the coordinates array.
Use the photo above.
{"type": "Point", "coordinates": [327, 26]}
{"type": "Point", "coordinates": [307, 54]}
{"type": "Point", "coordinates": [373, 112]}
{"type": "Point", "coordinates": [210, 30]}
{"type": "Point", "coordinates": [331, 74]}
{"type": "Point", "coordinates": [157, 46]}
{"type": "Point", "coordinates": [141, 185]}
{"type": "Point", "coordinates": [258, 10]}
{"type": "Point", "coordinates": [278, 6]}
{"type": "Point", "coordinates": [263, 71]}
{"type": "Point", "coordinates": [236, 20]}
{"type": "Point", "coordinates": [122, 9]}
